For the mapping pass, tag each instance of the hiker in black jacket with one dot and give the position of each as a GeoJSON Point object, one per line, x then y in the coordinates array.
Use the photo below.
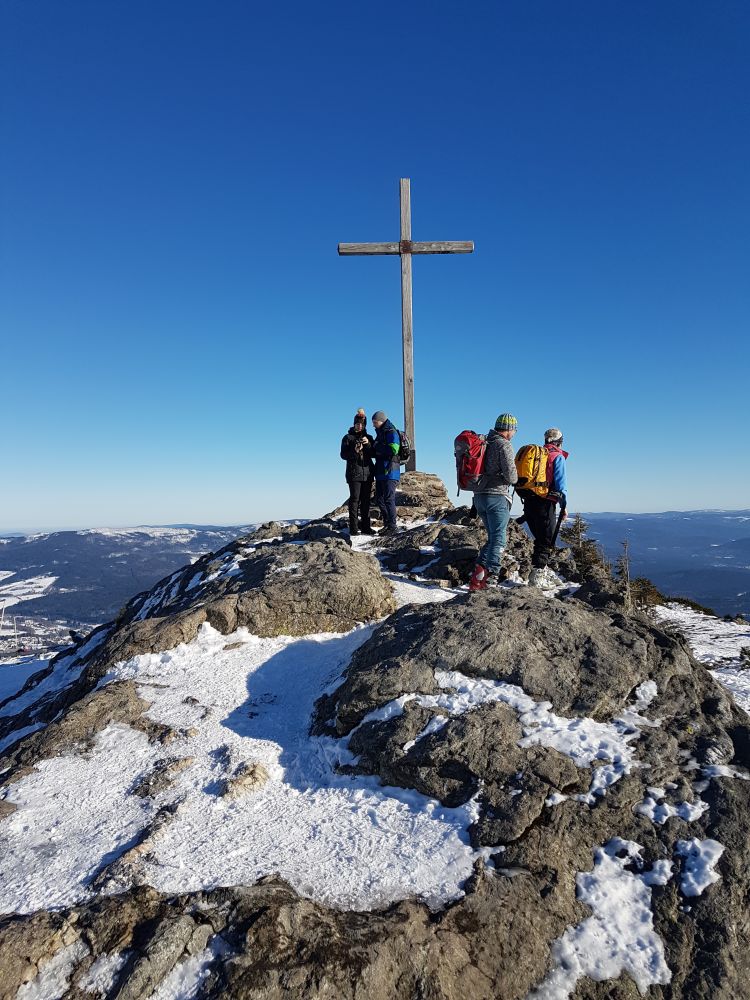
{"type": "Point", "coordinates": [357, 452]}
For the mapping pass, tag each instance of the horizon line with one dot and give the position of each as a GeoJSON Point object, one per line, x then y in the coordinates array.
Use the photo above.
{"type": "Point", "coordinates": [209, 525]}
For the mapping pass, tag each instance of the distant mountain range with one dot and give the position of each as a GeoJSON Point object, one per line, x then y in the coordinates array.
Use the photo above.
{"type": "Point", "coordinates": [86, 576]}
{"type": "Point", "coordinates": [700, 554]}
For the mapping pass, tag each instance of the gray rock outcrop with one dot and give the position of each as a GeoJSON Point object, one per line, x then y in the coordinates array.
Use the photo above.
{"type": "Point", "coordinates": [419, 495]}
{"type": "Point", "coordinates": [544, 810]}
{"type": "Point", "coordinates": [583, 744]}
{"type": "Point", "coordinates": [446, 549]}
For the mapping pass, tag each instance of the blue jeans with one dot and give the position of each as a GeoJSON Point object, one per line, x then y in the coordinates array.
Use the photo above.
{"type": "Point", "coordinates": [494, 509]}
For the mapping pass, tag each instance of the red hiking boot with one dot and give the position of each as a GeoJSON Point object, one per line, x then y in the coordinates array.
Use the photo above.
{"type": "Point", "coordinates": [478, 578]}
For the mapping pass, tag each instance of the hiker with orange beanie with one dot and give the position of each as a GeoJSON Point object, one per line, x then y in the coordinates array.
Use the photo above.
{"type": "Point", "coordinates": [357, 452]}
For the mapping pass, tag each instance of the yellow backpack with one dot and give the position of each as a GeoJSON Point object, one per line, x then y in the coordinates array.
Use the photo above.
{"type": "Point", "coordinates": [531, 466]}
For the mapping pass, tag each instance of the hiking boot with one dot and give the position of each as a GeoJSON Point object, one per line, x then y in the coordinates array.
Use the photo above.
{"type": "Point", "coordinates": [366, 529]}
{"type": "Point", "coordinates": [543, 578]}
{"type": "Point", "coordinates": [388, 532]}
{"type": "Point", "coordinates": [478, 578]}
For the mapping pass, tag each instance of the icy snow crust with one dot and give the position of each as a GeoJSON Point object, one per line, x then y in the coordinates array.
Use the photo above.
{"type": "Point", "coordinates": [309, 824]}
{"type": "Point", "coordinates": [716, 643]}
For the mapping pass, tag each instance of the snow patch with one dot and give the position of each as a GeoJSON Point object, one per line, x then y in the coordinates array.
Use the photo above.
{"type": "Point", "coordinates": [716, 643]}
{"type": "Point", "coordinates": [14, 675]}
{"type": "Point", "coordinates": [24, 590]}
{"type": "Point", "coordinates": [291, 568]}
{"type": "Point", "coordinates": [101, 977]}
{"type": "Point", "coordinates": [18, 734]}
{"type": "Point", "coordinates": [184, 981]}
{"type": "Point", "coordinates": [659, 812]}
{"type": "Point", "coordinates": [407, 591]}
{"type": "Point", "coordinates": [53, 979]}
{"type": "Point", "coordinates": [341, 839]}
{"type": "Point", "coordinates": [72, 813]}
{"type": "Point", "coordinates": [698, 871]}
{"type": "Point", "coordinates": [436, 723]}
{"type": "Point", "coordinates": [619, 936]}
{"type": "Point", "coordinates": [582, 739]}
{"type": "Point", "coordinates": [65, 671]}
{"type": "Point", "coordinates": [725, 771]}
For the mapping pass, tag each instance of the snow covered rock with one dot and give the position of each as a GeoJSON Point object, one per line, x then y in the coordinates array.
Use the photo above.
{"type": "Point", "coordinates": [289, 586]}
{"type": "Point", "coordinates": [568, 728]}
{"type": "Point", "coordinates": [270, 587]}
{"type": "Point", "coordinates": [262, 782]}
{"type": "Point", "coordinates": [558, 651]}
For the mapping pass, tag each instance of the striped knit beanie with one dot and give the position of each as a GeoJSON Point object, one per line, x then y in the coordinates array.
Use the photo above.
{"type": "Point", "coordinates": [360, 417]}
{"type": "Point", "coordinates": [553, 434]}
{"type": "Point", "coordinates": [506, 422]}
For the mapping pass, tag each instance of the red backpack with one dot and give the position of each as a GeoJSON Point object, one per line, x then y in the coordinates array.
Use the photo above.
{"type": "Point", "coordinates": [469, 448]}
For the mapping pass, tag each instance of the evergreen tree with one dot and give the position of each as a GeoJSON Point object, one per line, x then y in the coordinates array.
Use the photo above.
{"type": "Point", "coordinates": [575, 532]}
{"type": "Point", "coordinates": [622, 575]}
{"type": "Point", "coordinates": [644, 592]}
{"type": "Point", "coordinates": [589, 557]}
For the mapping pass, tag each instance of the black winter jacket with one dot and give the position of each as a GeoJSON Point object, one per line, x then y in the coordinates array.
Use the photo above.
{"type": "Point", "coordinates": [360, 467]}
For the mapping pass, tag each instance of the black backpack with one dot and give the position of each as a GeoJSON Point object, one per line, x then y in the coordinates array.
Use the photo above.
{"type": "Point", "coordinates": [404, 449]}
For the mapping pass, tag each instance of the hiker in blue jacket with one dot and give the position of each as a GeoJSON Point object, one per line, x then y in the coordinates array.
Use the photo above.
{"type": "Point", "coordinates": [541, 512]}
{"type": "Point", "coordinates": [387, 469]}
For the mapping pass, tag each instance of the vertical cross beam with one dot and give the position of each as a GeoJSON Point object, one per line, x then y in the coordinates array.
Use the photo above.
{"type": "Point", "coordinates": [405, 248]}
{"type": "Point", "coordinates": [406, 319]}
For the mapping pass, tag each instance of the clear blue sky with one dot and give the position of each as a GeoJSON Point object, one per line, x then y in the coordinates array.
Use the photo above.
{"type": "Point", "coordinates": [180, 340]}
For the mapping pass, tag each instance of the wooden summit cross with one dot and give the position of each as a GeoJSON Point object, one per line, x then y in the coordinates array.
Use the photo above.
{"type": "Point", "coordinates": [405, 248]}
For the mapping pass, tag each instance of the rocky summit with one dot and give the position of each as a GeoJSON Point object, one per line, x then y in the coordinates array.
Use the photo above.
{"type": "Point", "coordinates": [308, 766]}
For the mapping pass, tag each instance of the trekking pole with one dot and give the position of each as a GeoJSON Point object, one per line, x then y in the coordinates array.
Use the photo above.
{"type": "Point", "coordinates": [557, 528]}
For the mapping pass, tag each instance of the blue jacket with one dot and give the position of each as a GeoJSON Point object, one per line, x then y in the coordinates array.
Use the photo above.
{"type": "Point", "coordinates": [387, 444]}
{"type": "Point", "coordinates": [558, 479]}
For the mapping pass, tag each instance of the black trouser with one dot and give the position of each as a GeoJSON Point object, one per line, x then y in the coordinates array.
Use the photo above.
{"type": "Point", "coordinates": [385, 493]}
{"type": "Point", "coordinates": [359, 501]}
{"type": "Point", "coordinates": [541, 517]}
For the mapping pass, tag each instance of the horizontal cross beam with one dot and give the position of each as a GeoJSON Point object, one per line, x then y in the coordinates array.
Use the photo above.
{"type": "Point", "coordinates": [405, 246]}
